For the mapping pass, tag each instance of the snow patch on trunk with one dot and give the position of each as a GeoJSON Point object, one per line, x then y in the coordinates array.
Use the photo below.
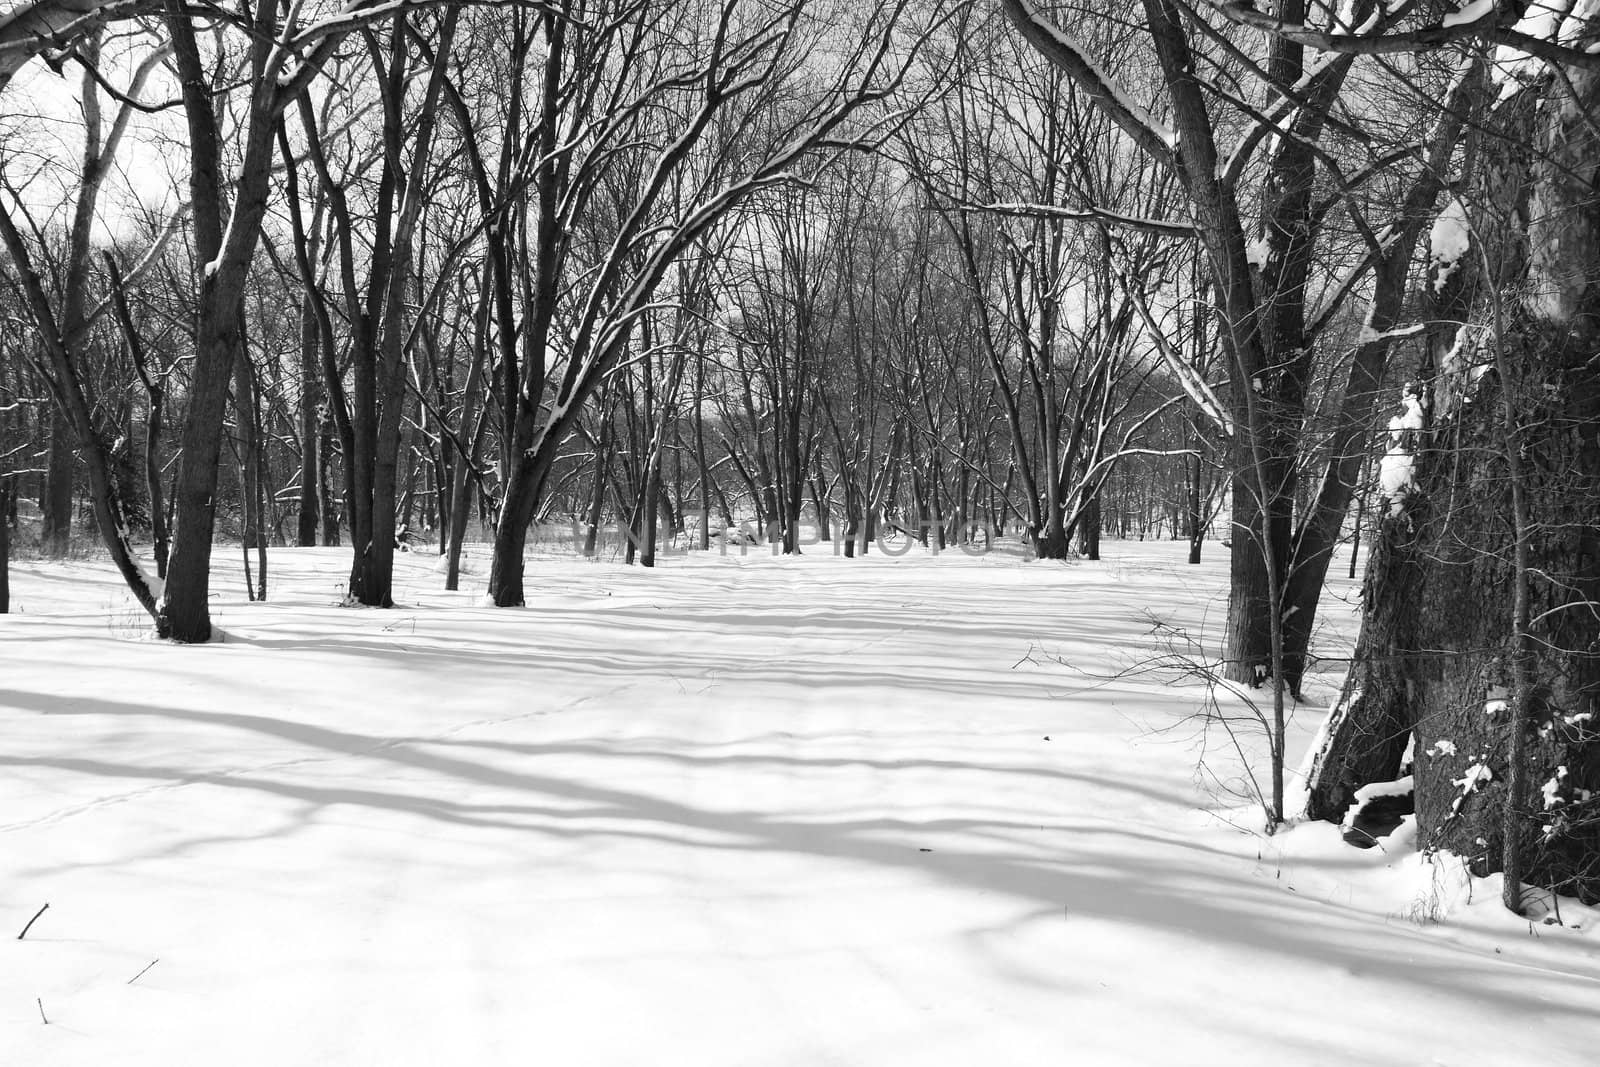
{"type": "Point", "coordinates": [1448, 241]}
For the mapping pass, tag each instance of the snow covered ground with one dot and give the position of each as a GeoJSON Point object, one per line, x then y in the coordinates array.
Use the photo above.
{"type": "Point", "coordinates": [734, 811]}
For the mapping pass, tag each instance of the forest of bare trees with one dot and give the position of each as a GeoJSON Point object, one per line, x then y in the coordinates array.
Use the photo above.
{"type": "Point", "coordinates": [809, 273]}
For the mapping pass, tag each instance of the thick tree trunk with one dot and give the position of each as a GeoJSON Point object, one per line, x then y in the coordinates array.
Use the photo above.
{"type": "Point", "coordinates": [1369, 728]}
{"type": "Point", "coordinates": [372, 569]}
{"type": "Point", "coordinates": [524, 488]}
{"type": "Point", "coordinates": [1247, 653]}
{"type": "Point", "coordinates": [225, 240]}
{"type": "Point", "coordinates": [1091, 527]}
{"type": "Point", "coordinates": [185, 613]}
{"type": "Point", "coordinates": [1489, 707]}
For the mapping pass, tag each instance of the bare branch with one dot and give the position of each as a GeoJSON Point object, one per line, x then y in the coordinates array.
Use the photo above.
{"type": "Point", "coordinates": [1495, 26]}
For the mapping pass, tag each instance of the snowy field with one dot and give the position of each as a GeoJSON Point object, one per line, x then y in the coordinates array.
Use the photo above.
{"type": "Point", "coordinates": [734, 811]}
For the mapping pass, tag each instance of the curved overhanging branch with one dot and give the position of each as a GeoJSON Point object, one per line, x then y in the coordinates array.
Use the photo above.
{"type": "Point", "coordinates": [37, 26]}
{"type": "Point", "coordinates": [1069, 55]}
{"type": "Point", "coordinates": [1114, 219]}
{"type": "Point", "coordinates": [1189, 377]}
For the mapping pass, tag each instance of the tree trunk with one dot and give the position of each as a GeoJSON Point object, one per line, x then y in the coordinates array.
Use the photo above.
{"type": "Point", "coordinates": [310, 438]}
{"type": "Point", "coordinates": [522, 493]}
{"type": "Point", "coordinates": [1246, 655]}
{"type": "Point", "coordinates": [701, 469]}
{"type": "Point", "coordinates": [1195, 514]}
{"type": "Point", "coordinates": [8, 491]}
{"type": "Point", "coordinates": [597, 495]}
{"type": "Point", "coordinates": [1368, 730]}
{"type": "Point", "coordinates": [327, 499]}
{"type": "Point", "coordinates": [55, 534]}
{"type": "Point", "coordinates": [250, 489]}
{"type": "Point", "coordinates": [820, 505]}
{"type": "Point", "coordinates": [1488, 706]}
{"type": "Point", "coordinates": [1091, 527]}
{"type": "Point", "coordinates": [185, 604]}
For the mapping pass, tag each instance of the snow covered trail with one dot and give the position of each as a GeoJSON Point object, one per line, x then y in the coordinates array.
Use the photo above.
{"type": "Point", "coordinates": [734, 811]}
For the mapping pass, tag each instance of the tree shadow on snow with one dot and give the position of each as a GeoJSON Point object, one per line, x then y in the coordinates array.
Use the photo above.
{"type": "Point", "coordinates": [1076, 874]}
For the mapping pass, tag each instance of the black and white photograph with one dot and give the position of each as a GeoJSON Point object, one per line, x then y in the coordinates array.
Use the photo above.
{"type": "Point", "coordinates": [799, 533]}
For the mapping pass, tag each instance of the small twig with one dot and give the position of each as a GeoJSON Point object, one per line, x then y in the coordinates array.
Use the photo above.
{"type": "Point", "coordinates": [42, 1015]}
{"type": "Point", "coordinates": [31, 921]}
{"type": "Point", "coordinates": [147, 966]}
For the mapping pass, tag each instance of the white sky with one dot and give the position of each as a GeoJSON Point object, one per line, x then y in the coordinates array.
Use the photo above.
{"type": "Point", "coordinates": [41, 142]}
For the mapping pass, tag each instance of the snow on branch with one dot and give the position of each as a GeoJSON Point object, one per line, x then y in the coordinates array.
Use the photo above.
{"type": "Point", "coordinates": [1189, 376]}
{"type": "Point", "coordinates": [1397, 478]}
{"type": "Point", "coordinates": [1480, 19]}
{"type": "Point", "coordinates": [1161, 227]}
{"type": "Point", "coordinates": [37, 26]}
{"type": "Point", "coordinates": [358, 13]}
{"type": "Point", "coordinates": [1070, 56]}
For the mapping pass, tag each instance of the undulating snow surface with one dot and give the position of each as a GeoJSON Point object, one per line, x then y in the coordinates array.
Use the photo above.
{"type": "Point", "coordinates": [734, 811]}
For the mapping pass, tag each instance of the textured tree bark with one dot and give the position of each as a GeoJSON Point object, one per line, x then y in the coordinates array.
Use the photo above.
{"type": "Point", "coordinates": [1091, 528]}
{"type": "Point", "coordinates": [1194, 516]}
{"type": "Point", "coordinates": [225, 237]}
{"type": "Point", "coordinates": [8, 491]}
{"type": "Point", "coordinates": [1366, 735]}
{"type": "Point", "coordinates": [55, 531]}
{"type": "Point", "coordinates": [247, 420]}
{"type": "Point", "coordinates": [1439, 650]}
{"type": "Point", "coordinates": [463, 473]}
{"type": "Point", "coordinates": [1318, 532]}
{"type": "Point", "coordinates": [310, 398]}
{"type": "Point", "coordinates": [185, 613]}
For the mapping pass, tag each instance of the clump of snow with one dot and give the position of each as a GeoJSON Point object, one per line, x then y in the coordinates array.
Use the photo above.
{"type": "Point", "coordinates": [1410, 418]}
{"type": "Point", "coordinates": [1552, 788]}
{"type": "Point", "coordinates": [1448, 241]}
{"type": "Point", "coordinates": [1442, 747]}
{"type": "Point", "coordinates": [1397, 468]}
{"type": "Point", "coordinates": [1397, 788]}
{"type": "Point", "coordinates": [1257, 252]}
{"type": "Point", "coordinates": [1397, 477]}
{"type": "Point", "coordinates": [155, 583]}
{"type": "Point", "coordinates": [1372, 791]}
{"type": "Point", "coordinates": [1468, 783]}
{"type": "Point", "coordinates": [1453, 361]}
{"type": "Point", "coordinates": [1472, 12]}
{"type": "Point", "coordinates": [1548, 20]}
